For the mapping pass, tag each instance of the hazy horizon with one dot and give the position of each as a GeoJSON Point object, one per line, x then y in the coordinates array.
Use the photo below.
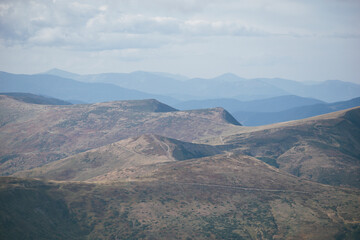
{"type": "Point", "coordinates": [178, 74]}
{"type": "Point", "coordinates": [297, 40]}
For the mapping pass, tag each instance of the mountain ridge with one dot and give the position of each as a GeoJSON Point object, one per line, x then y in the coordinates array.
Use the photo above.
{"type": "Point", "coordinates": [263, 118]}
{"type": "Point", "coordinates": [44, 133]}
{"type": "Point", "coordinates": [147, 149]}
{"type": "Point", "coordinates": [322, 148]}
{"type": "Point", "coordinates": [273, 104]}
{"type": "Point", "coordinates": [121, 179]}
{"type": "Point", "coordinates": [36, 99]}
{"type": "Point", "coordinates": [228, 85]}
{"type": "Point", "coordinates": [64, 88]}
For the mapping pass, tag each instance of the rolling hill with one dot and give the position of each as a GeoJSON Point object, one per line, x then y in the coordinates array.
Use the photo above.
{"type": "Point", "coordinates": [324, 149]}
{"type": "Point", "coordinates": [216, 197]}
{"type": "Point", "coordinates": [128, 153]}
{"type": "Point", "coordinates": [106, 173]}
{"type": "Point", "coordinates": [32, 135]}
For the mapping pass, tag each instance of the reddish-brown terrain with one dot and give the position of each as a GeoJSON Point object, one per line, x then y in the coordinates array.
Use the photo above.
{"type": "Point", "coordinates": [142, 170]}
{"type": "Point", "coordinates": [32, 135]}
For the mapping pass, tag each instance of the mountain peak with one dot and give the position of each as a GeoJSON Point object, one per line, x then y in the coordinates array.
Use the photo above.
{"type": "Point", "coordinates": [230, 77]}
{"type": "Point", "coordinates": [61, 73]}
{"type": "Point", "coordinates": [153, 144]}
{"type": "Point", "coordinates": [227, 116]}
{"type": "Point", "coordinates": [145, 105]}
{"type": "Point", "coordinates": [159, 106]}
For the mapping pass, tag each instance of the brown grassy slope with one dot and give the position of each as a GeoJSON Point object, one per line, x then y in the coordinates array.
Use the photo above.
{"type": "Point", "coordinates": [31, 209]}
{"type": "Point", "coordinates": [32, 135]}
{"type": "Point", "coordinates": [325, 149]}
{"type": "Point", "coordinates": [216, 197]}
{"type": "Point", "coordinates": [132, 152]}
{"type": "Point", "coordinates": [233, 197]}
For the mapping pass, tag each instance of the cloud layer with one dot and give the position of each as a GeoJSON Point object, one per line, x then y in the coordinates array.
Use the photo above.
{"type": "Point", "coordinates": [163, 30]}
{"type": "Point", "coordinates": [104, 25]}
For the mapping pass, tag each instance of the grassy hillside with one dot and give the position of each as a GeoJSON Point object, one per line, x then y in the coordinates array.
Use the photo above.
{"type": "Point", "coordinates": [324, 148]}
{"type": "Point", "coordinates": [32, 209]}
{"type": "Point", "coordinates": [217, 198]}
{"type": "Point", "coordinates": [32, 135]}
{"type": "Point", "coordinates": [128, 153]}
{"type": "Point", "coordinates": [119, 180]}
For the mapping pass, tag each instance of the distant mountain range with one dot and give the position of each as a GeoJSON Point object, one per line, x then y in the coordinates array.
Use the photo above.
{"type": "Point", "coordinates": [261, 118]}
{"type": "Point", "coordinates": [271, 110]}
{"type": "Point", "coordinates": [274, 100]}
{"type": "Point", "coordinates": [274, 104]}
{"type": "Point", "coordinates": [71, 90]}
{"type": "Point", "coordinates": [154, 83]}
{"type": "Point", "coordinates": [224, 86]}
{"type": "Point", "coordinates": [36, 99]}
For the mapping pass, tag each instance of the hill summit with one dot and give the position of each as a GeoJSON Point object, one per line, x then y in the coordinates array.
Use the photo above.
{"type": "Point", "coordinates": [146, 105]}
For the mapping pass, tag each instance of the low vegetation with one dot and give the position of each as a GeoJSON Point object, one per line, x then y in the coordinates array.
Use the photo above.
{"type": "Point", "coordinates": [132, 170]}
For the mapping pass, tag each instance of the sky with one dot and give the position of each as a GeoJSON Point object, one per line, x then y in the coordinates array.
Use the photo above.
{"type": "Point", "coordinates": [304, 40]}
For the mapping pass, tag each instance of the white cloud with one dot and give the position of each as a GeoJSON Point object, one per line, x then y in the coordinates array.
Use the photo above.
{"type": "Point", "coordinates": [198, 35]}
{"type": "Point", "coordinates": [82, 26]}
{"type": "Point", "coordinates": [69, 24]}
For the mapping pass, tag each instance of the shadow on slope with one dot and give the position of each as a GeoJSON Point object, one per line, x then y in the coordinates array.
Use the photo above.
{"type": "Point", "coordinates": [133, 152]}
{"type": "Point", "coordinates": [325, 148]}
{"type": "Point", "coordinates": [33, 135]}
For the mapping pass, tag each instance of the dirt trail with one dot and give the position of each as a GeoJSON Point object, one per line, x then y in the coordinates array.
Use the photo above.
{"type": "Point", "coordinates": [167, 150]}
{"type": "Point", "coordinates": [237, 187]}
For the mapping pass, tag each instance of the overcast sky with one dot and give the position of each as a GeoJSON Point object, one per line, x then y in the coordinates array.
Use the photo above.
{"type": "Point", "coordinates": [304, 40]}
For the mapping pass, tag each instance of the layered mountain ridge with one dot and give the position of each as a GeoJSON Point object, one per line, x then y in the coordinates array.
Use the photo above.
{"type": "Point", "coordinates": [246, 99]}
{"type": "Point", "coordinates": [223, 86]}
